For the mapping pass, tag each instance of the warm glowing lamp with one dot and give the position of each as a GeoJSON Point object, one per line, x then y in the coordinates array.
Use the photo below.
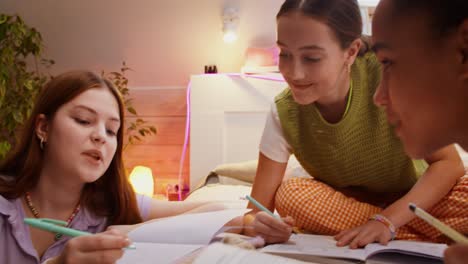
{"type": "Point", "coordinates": [229, 36]}
{"type": "Point", "coordinates": [142, 180]}
{"type": "Point", "coordinates": [230, 22]}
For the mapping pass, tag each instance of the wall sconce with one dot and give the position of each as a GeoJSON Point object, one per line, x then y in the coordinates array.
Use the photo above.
{"type": "Point", "coordinates": [230, 23]}
{"type": "Point", "coordinates": [142, 180]}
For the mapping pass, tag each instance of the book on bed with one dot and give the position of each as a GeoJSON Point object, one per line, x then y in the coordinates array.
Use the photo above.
{"type": "Point", "coordinates": [168, 239]}
{"type": "Point", "coordinates": [173, 239]}
{"type": "Point", "coordinates": [323, 249]}
{"type": "Point", "coordinates": [315, 247]}
{"type": "Point", "coordinates": [226, 254]}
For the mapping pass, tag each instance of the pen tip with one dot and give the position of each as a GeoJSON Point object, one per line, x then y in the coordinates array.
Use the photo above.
{"type": "Point", "coordinates": [412, 207]}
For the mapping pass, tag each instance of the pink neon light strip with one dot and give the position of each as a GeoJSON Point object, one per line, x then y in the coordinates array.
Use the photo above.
{"type": "Point", "coordinates": [184, 149]}
{"type": "Point", "coordinates": [187, 123]}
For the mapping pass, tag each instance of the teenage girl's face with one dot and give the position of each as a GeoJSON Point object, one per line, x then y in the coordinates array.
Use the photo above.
{"type": "Point", "coordinates": [82, 137]}
{"type": "Point", "coordinates": [311, 59]}
{"type": "Point", "coordinates": [421, 88]}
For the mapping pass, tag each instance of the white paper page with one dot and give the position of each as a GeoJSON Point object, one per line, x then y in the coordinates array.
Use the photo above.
{"type": "Point", "coordinates": [316, 245]}
{"type": "Point", "coordinates": [192, 229]}
{"type": "Point", "coordinates": [150, 253]}
{"type": "Point", "coordinates": [223, 254]}
{"type": "Point", "coordinates": [431, 249]}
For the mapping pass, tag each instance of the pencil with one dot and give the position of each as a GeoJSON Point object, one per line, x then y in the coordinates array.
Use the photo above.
{"type": "Point", "coordinates": [445, 229]}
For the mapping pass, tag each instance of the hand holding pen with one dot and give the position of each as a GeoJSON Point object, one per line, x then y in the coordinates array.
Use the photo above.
{"type": "Point", "coordinates": [455, 253]}
{"type": "Point", "coordinates": [271, 227]}
{"type": "Point", "coordinates": [106, 247]}
{"type": "Point", "coordinates": [436, 223]}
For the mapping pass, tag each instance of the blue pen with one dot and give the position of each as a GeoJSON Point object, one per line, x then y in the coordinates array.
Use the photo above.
{"type": "Point", "coordinates": [57, 226]}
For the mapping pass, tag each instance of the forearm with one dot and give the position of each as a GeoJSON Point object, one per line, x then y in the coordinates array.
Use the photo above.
{"type": "Point", "coordinates": [267, 181]}
{"type": "Point", "coordinates": [265, 195]}
{"type": "Point", "coordinates": [436, 183]}
{"type": "Point", "coordinates": [160, 209]}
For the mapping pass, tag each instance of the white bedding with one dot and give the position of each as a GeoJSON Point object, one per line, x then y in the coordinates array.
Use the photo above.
{"type": "Point", "coordinates": [229, 183]}
{"type": "Point", "coordinates": [463, 155]}
{"type": "Point", "coordinates": [232, 196]}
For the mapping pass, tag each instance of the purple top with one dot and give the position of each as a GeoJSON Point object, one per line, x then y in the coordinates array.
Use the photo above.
{"type": "Point", "coordinates": [15, 240]}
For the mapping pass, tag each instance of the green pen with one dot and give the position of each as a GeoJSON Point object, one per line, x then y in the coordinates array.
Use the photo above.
{"type": "Point", "coordinates": [57, 226]}
{"type": "Point", "coordinates": [295, 230]}
{"type": "Point", "coordinates": [260, 206]}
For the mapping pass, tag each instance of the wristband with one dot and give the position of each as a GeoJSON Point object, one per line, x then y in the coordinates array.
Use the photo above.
{"type": "Point", "coordinates": [384, 220]}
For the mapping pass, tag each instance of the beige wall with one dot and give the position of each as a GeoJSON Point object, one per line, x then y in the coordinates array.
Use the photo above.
{"type": "Point", "coordinates": [164, 41]}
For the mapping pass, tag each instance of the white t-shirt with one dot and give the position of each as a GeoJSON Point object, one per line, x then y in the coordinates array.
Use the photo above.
{"type": "Point", "coordinates": [273, 143]}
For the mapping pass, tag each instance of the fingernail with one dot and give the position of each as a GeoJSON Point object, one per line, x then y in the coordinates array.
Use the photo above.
{"type": "Point", "coordinates": [129, 244]}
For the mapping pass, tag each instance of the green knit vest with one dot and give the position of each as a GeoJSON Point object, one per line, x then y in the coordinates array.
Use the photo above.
{"type": "Point", "coordinates": [361, 150]}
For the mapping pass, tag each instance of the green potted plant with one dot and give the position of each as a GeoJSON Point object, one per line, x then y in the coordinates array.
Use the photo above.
{"type": "Point", "coordinates": [135, 130]}
{"type": "Point", "coordinates": [19, 84]}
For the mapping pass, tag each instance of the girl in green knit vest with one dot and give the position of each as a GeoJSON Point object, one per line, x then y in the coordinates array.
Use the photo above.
{"type": "Point", "coordinates": [425, 85]}
{"type": "Point", "coordinates": [362, 179]}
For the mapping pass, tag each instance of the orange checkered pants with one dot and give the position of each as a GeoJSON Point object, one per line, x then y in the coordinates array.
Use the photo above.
{"type": "Point", "coordinates": [320, 209]}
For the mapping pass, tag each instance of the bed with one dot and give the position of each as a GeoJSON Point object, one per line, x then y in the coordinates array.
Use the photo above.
{"type": "Point", "coordinates": [227, 117]}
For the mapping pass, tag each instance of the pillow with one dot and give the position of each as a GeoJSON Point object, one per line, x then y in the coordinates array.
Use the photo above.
{"type": "Point", "coordinates": [242, 171]}
{"type": "Point", "coordinates": [232, 181]}
{"type": "Point", "coordinates": [245, 171]}
{"type": "Point", "coordinates": [220, 192]}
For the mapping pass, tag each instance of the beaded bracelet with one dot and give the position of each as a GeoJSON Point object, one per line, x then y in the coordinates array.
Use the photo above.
{"type": "Point", "coordinates": [384, 220]}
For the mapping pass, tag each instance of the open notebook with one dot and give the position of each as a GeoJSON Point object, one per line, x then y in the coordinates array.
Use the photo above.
{"type": "Point", "coordinates": [322, 249]}
{"type": "Point", "coordinates": [172, 239]}
{"type": "Point", "coordinates": [225, 254]}
{"type": "Point", "coordinates": [168, 239]}
{"type": "Point", "coordinates": [308, 247]}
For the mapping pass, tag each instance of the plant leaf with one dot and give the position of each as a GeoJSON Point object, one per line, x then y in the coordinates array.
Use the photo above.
{"type": "Point", "coordinates": [131, 110]}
